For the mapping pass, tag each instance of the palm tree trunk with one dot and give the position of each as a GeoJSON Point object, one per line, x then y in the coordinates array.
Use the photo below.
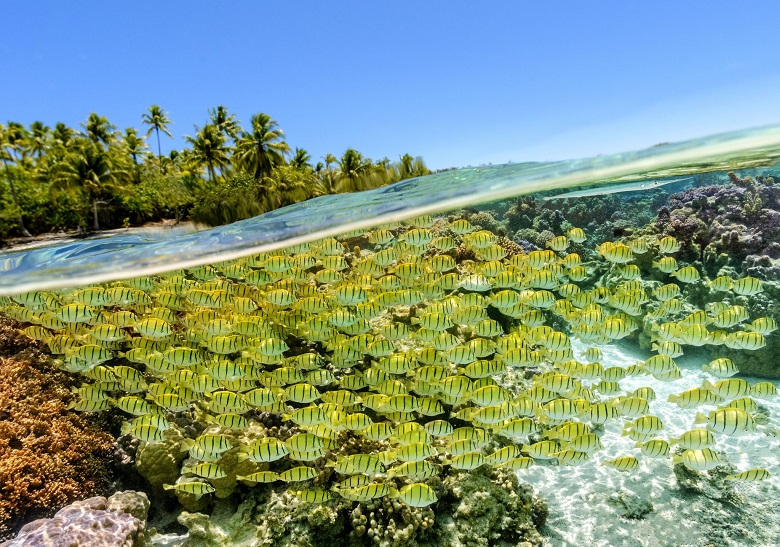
{"type": "Point", "coordinates": [19, 219]}
{"type": "Point", "coordinates": [95, 215]}
{"type": "Point", "coordinates": [159, 150]}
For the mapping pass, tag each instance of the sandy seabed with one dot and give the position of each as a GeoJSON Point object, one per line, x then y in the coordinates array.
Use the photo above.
{"type": "Point", "coordinates": [587, 502]}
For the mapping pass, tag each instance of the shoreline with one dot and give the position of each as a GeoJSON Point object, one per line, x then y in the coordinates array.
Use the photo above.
{"type": "Point", "coordinates": [41, 240]}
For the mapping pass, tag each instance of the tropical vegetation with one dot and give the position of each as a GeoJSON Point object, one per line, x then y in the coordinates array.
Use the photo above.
{"type": "Point", "coordinates": [98, 176]}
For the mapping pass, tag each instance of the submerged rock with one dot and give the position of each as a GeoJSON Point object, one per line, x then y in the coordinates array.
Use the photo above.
{"type": "Point", "coordinates": [630, 505]}
{"type": "Point", "coordinates": [117, 521]}
{"type": "Point", "coordinates": [711, 484]}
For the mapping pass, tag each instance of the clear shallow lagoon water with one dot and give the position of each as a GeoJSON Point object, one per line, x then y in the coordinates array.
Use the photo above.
{"type": "Point", "coordinates": [583, 500]}
{"type": "Point", "coordinates": [727, 226]}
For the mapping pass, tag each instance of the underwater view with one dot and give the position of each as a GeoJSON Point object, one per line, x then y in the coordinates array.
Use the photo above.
{"type": "Point", "coordinates": [539, 354]}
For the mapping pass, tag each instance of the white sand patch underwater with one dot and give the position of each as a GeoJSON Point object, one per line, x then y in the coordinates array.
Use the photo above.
{"type": "Point", "coordinates": [594, 505]}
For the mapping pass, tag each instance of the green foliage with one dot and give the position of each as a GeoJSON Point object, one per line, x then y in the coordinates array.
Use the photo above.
{"type": "Point", "coordinates": [41, 212]}
{"type": "Point", "coordinates": [98, 177]}
{"type": "Point", "coordinates": [226, 123]}
{"type": "Point", "coordinates": [157, 196]}
{"type": "Point", "coordinates": [353, 173]}
{"type": "Point", "coordinates": [236, 198]}
{"type": "Point", "coordinates": [242, 196]}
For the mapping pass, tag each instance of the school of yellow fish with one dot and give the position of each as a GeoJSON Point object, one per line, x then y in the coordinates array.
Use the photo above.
{"type": "Point", "coordinates": [398, 340]}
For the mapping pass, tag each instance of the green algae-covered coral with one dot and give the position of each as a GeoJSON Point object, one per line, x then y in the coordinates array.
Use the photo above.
{"type": "Point", "coordinates": [480, 510]}
{"type": "Point", "coordinates": [160, 462]}
{"type": "Point", "coordinates": [475, 509]}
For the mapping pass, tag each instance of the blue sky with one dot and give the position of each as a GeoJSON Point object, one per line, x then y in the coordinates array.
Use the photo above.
{"type": "Point", "coordinates": [460, 83]}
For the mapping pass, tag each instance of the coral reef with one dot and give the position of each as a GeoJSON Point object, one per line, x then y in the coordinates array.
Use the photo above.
{"type": "Point", "coordinates": [118, 521]}
{"type": "Point", "coordinates": [486, 221]}
{"type": "Point", "coordinates": [479, 508]}
{"type": "Point", "coordinates": [160, 463]}
{"type": "Point", "coordinates": [49, 455]}
{"type": "Point", "coordinates": [731, 230]}
{"type": "Point", "coordinates": [738, 219]}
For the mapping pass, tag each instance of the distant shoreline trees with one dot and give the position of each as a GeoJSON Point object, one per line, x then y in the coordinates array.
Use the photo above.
{"type": "Point", "coordinates": [98, 177]}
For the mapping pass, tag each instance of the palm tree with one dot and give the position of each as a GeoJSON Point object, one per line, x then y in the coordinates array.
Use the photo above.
{"type": "Point", "coordinates": [301, 160]}
{"type": "Point", "coordinates": [327, 175]}
{"type": "Point", "coordinates": [410, 167]}
{"type": "Point", "coordinates": [188, 165]}
{"type": "Point", "coordinates": [225, 122]}
{"type": "Point", "coordinates": [329, 158]}
{"type": "Point", "coordinates": [38, 138]}
{"type": "Point", "coordinates": [62, 134]}
{"type": "Point", "coordinates": [352, 169]}
{"type": "Point", "coordinates": [7, 146]}
{"type": "Point", "coordinates": [208, 147]}
{"type": "Point", "coordinates": [99, 129]}
{"type": "Point", "coordinates": [135, 144]}
{"type": "Point", "coordinates": [287, 185]}
{"type": "Point", "coordinates": [61, 140]}
{"type": "Point", "coordinates": [89, 169]}
{"type": "Point", "coordinates": [18, 137]}
{"type": "Point", "coordinates": [262, 149]}
{"type": "Point", "coordinates": [157, 120]}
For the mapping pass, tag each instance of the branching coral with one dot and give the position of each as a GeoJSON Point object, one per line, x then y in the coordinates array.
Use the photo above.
{"type": "Point", "coordinates": [49, 456]}
{"type": "Point", "coordinates": [738, 219]}
{"type": "Point", "coordinates": [485, 220]}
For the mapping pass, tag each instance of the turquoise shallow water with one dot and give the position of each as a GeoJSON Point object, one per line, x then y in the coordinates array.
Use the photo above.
{"type": "Point", "coordinates": [105, 259]}
{"type": "Point", "coordinates": [518, 262]}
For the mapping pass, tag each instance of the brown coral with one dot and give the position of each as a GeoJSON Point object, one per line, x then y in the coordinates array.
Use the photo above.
{"type": "Point", "coordinates": [510, 246]}
{"type": "Point", "coordinates": [49, 456]}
